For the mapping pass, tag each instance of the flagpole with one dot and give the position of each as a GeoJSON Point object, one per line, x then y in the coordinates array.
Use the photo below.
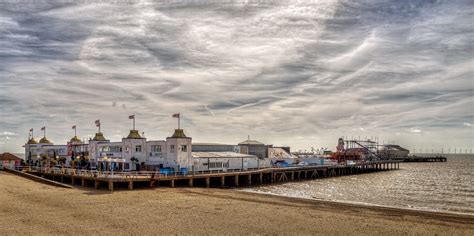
{"type": "Point", "coordinates": [133, 122]}
{"type": "Point", "coordinates": [99, 126]}
{"type": "Point", "coordinates": [44, 132]}
{"type": "Point", "coordinates": [32, 134]}
{"type": "Point", "coordinates": [75, 129]}
{"type": "Point", "coordinates": [179, 122]}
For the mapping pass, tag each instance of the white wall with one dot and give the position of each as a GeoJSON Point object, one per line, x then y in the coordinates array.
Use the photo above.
{"type": "Point", "coordinates": [129, 150]}
{"type": "Point", "coordinates": [176, 157]}
{"type": "Point", "coordinates": [156, 158]}
{"type": "Point", "coordinates": [234, 163]}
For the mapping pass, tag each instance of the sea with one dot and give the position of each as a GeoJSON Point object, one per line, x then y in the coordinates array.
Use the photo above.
{"type": "Point", "coordinates": [431, 186]}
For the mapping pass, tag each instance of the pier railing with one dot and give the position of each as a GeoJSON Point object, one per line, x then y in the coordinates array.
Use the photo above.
{"type": "Point", "coordinates": [157, 174]}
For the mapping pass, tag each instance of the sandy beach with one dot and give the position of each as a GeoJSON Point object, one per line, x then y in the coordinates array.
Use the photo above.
{"type": "Point", "coordinates": [29, 207]}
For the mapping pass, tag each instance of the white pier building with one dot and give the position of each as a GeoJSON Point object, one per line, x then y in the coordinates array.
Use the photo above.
{"type": "Point", "coordinates": [135, 152]}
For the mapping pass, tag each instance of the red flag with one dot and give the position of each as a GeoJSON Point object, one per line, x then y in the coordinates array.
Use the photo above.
{"type": "Point", "coordinates": [43, 128]}
{"type": "Point", "coordinates": [97, 123]}
{"type": "Point", "coordinates": [74, 127]}
{"type": "Point", "coordinates": [175, 115]}
{"type": "Point", "coordinates": [131, 117]}
{"type": "Point", "coordinates": [31, 130]}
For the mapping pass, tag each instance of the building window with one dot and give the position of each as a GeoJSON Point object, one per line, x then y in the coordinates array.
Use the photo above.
{"type": "Point", "coordinates": [138, 148]}
{"type": "Point", "coordinates": [184, 148]}
{"type": "Point", "coordinates": [172, 148]}
{"type": "Point", "coordinates": [110, 149]}
{"type": "Point", "coordinates": [215, 164]}
{"type": "Point", "coordinates": [156, 148]}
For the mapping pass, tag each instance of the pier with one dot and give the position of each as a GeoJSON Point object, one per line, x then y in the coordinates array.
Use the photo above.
{"type": "Point", "coordinates": [421, 159]}
{"type": "Point", "coordinates": [239, 178]}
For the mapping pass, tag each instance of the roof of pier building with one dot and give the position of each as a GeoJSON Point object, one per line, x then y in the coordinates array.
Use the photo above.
{"type": "Point", "coordinates": [99, 137]}
{"type": "Point", "coordinates": [75, 139]}
{"type": "Point", "coordinates": [221, 155]}
{"type": "Point", "coordinates": [178, 133]}
{"type": "Point", "coordinates": [32, 141]}
{"type": "Point", "coordinates": [134, 134]}
{"type": "Point", "coordinates": [396, 147]}
{"type": "Point", "coordinates": [251, 142]}
{"type": "Point", "coordinates": [45, 140]}
{"type": "Point", "coordinates": [6, 156]}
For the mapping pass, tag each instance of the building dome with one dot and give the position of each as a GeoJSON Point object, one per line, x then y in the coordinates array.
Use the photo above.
{"type": "Point", "coordinates": [99, 137]}
{"type": "Point", "coordinates": [178, 133]}
{"type": "Point", "coordinates": [75, 139]}
{"type": "Point", "coordinates": [134, 134]}
{"type": "Point", "coordinates": [32, 141]}
{"type": "Point", "coordinates": [44, 140]}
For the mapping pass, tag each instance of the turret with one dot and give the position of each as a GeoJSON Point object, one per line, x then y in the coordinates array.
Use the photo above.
{"type": "Point", "coordinates": [99, 137]}
{"type": "Point", "coordinates": [32, 141]}
{"type": "Point", "coordinates": [134, 134]}
{"type": "Point", "coordinates": [45, 140]}
{"type": "Point", "coordinates": [179, 150]}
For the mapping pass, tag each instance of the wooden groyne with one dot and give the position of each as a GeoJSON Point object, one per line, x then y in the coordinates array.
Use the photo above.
{"type": "Point", "coordinates": [421, 159]}
{"type": "Point", "coordinates": [230, 178]}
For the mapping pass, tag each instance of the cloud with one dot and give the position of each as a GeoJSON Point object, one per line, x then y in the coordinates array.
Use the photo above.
{"type": "Point", "coordinates": [413, 130]}
{"type": "Point", "coordinates": [7, 133]}
{"type": "Point", "coordinates": [276, 71]}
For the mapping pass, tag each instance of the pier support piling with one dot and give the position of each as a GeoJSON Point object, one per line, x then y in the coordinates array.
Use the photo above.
{"type": "Point", "coordinates": [208, 182]}
{"type": "Point", "coordinates": [236, 181]}
{"type": "Point", "coordinates": [96, 184]}
{"type": "Point", "coordinates": [222, 181]}
{"type": "Point", "coordinates": [130, 185]}
{"type": "Point", "coordinates": [111, 185]}
{"type": "Point", "coordinates": [190, 183]}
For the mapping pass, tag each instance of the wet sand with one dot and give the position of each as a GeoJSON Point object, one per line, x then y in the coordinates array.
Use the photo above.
{"type": "Point", "coordinates": [28, 207]}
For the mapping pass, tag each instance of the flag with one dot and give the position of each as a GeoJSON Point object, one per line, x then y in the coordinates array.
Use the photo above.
{"type": "Point", "coordinates": [43, 128]}
{"type": "Point", "coordinates": [175, 115]}
{"type": "Point", "coordinates": [31, 130]}
{"type": "Point", "coordinates": [131, 117]}
{"type": "Point", "coordinates": [74, 127]}
{"type": "Point", "coordinates": [97, 123]}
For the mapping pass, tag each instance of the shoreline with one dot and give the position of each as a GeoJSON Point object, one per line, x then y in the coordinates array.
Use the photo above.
{"type": "Point", "coordinates": [395, 211]}
{"type": "Point", "coordinates": [362, 204]}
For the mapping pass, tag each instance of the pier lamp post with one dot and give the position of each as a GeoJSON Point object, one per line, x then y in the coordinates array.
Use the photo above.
{"type": "Point", "coordinates": [104, 162]}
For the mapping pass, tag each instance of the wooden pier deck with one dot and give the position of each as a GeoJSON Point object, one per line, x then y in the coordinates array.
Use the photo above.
{"type": "Point", "coordinates": [130, 180]}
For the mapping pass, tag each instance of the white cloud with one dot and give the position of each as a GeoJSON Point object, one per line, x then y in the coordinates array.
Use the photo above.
{"type": "Point", "coordinates": [6, 133]}
{"type": "Point", "coordinates": [413, 130]}
{"type": "Point", "coordinates": [274, 71]}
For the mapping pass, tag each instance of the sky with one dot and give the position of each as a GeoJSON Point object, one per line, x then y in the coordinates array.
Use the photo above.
{"type": "Point", "coordinates": [287, 73]}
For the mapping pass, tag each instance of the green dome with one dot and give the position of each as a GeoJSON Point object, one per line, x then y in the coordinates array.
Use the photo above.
{"type": "Point", "coordinates": [32, 141]}
{"type": "Point", "coordinates": [99, 137]}
{"type": "Point", "coordinates": [134, 134]}
{"type": "Point", "coordinates": [45, 141]}
{"type": "Point", "coordinates": [75, 139]}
